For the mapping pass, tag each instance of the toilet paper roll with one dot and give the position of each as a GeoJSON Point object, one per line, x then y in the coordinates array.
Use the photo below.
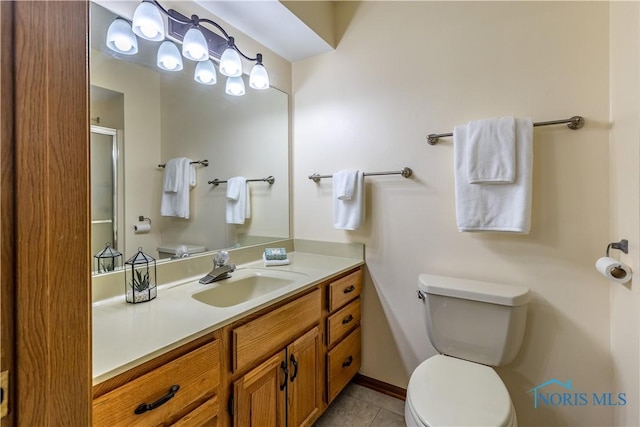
{"type": "Point", "coordinates": [141, 227]}
{"type": "Point", "coordinates": [614, 270]}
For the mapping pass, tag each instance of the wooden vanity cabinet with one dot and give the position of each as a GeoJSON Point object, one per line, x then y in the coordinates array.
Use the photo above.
{"type": "Point", "coordinates": [343, 331]}
{"type": "Point", "coordinates": [180, 387]}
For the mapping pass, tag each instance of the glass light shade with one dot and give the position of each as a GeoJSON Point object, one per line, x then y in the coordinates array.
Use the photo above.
{"type": "Point", "coordinates": [235, 86]}
{"type": "Point", "coordinates": [169, 58]}
{"type": "Point", "coordinates": [205, 73]}
{"type": "Point", "coordinates": [259, 79]}
{"type": "Point", "coordinates": [121, 39]}
{"type": "Point", "coordinates": [194, 45]}
{"type": "Point", "coordinates": [148, 23]}
{"type": "Point", "coordinates": [230, 64]}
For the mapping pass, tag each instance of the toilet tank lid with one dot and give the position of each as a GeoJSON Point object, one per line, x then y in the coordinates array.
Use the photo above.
{"type": "Point", "coordinates": [495, 293]}
{"type": "Point", "coordinates": [171, 248]}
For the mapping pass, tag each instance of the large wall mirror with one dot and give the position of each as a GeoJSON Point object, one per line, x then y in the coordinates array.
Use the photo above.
{"type": "Point", "coordinates": [142, 116]}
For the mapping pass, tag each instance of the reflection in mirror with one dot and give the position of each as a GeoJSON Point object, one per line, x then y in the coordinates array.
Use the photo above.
{"type": "Point", "coordinates": [159, 115]}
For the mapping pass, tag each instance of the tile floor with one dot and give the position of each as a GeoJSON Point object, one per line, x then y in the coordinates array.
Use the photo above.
{"type": "Point", "coordinates": [358, 406]}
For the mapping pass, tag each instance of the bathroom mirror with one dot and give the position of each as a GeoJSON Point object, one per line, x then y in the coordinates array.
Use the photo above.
{"type": "Point", "coordinates": [151, 116]}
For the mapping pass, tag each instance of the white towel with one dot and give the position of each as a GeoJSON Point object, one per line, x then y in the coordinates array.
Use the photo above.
{"type": "Point", "coordinates": [345, 184]}
{"type": "Point", "coordinates": [491, 150]}
{"type": "Point", "coordinates": [348, 214]}
{"type": "Point", "coordinates": [171, 169]}
{"type": "Point", "coordinates": [274, 262]}
{"type": "Point", "coordinates": [489, 207]}
{"type": "Point", "coordinates": [176, 203]}
{"type": "Point", "coordinates": [236, 212]}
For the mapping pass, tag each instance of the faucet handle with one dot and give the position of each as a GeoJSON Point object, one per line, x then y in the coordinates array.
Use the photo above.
{"type": "Point", "coordinates": [221, 258]}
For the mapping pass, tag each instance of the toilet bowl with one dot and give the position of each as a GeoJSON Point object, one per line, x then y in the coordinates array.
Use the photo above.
{"type": "Point", "coordinates": [474, 325]}
{"type": "Point", "coordinates": [445, 391]}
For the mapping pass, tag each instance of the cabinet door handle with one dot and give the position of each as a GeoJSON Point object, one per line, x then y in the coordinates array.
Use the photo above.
{"type": "Point", "coordinates": [347, 362]}
{"type": "Point", "coordinates": [347, 319]}
{"type": "Point", "coordinates": [349, 289]}
{"type": "Point", "coordinates": [285, 371]}
{"type": "Point", "coordinates": [144, 407]}
{"type": "Point", "coordinates": [294, 362]}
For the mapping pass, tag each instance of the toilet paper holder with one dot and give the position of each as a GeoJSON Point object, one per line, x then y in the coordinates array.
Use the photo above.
{"type": "Point", "coordinates": [622, 245]}
{"type": "Point", "coordinates": [143, 218]}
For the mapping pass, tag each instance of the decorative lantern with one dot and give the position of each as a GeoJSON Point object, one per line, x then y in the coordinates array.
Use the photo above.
{"type": "Point", "coordinates": [140, 278]}
{"type": "Point", "coordinates": [107, 259]}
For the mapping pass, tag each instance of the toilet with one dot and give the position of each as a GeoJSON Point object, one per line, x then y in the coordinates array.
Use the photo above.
{"type": "Point", "coordinates": [473, 325]}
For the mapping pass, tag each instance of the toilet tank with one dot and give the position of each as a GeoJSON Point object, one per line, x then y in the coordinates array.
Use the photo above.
{"type": "Point", "coordinates": [477, 321]}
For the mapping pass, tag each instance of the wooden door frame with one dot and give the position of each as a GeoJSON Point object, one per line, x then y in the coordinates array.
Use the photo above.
{"type": "Point", "coordinates": [45, 194]}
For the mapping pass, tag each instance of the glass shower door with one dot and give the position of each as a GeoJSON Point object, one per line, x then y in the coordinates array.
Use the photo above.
{"type": "Point", "coordinates": [104, 160]}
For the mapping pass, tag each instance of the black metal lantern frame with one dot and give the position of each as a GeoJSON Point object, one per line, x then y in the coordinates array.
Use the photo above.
{"type": "Point", "coordinates": [107, 259]}
{"type": "Point", "coordinates": [140, 278]}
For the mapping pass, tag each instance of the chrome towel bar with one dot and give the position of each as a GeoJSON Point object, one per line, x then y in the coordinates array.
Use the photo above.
{"type": "Point", "coordinates": [204, 163]}
{"type": "Point", "coordinates": [575, 122]}
{"type": "Point", "coordinates": [405, 172]}
{"type": "Point", "coordinates": [270, 179]}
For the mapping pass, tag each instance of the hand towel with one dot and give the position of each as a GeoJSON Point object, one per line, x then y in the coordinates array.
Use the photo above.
{"type": "Point", "coordinates": [349, 214]}
{"type": "Point", "coordinates": [274, 262]}
{"type": "Point", "coordinates": [171, 179]}
{"type": "Point", "coordinates": [491, 150]}
{"type": "Point", "coordinates": [176, 203]}
{"type": "Point", "coordinates": [345, 184]}
{"type": "Point", "coordinates": [489, 207]}
{"type": "Point", "coordinates": [236, 211]}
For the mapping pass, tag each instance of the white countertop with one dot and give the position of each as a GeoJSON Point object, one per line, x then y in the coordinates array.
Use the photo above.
{"type": "Point", "coordinates": [126, 335]}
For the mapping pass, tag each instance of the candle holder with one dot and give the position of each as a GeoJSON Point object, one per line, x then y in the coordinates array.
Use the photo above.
{"type": "Point", "coordinates": [140, 278]}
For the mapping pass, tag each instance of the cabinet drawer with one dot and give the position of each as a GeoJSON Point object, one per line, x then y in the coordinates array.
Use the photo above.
{"type": "Point", "coordinates": [272, 331]}
{"type": "Point", "coordinates": [342, 321]}
{"type": "Point", "coordinates": [196, 373]}
{"type": "Point", "coordinates": [344, 290]}
{"type": "Point", "coordinates": [343, 363]}
{"type": "Point", "coordinates": [205, 415]}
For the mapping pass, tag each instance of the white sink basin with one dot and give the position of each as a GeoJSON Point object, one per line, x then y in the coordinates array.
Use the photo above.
{"type": "Point", "coordinates": [245, 285]}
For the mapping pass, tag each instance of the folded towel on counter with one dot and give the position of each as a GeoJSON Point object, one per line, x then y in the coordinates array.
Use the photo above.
{"type": "Point", "coordinates": [495, 207]}
{"type": "Point", "coordinates": [274, 262]}
{"type": "Point", "coordinates": [344, 183]}
{"type": "Point", "coordinates": [237, 200]}
{"type": "Point", "coordinates": [348, 214]}
{"type": "Point", "coordinates": [182, 178]}
{"type": "Point", "coordinates": [491, 150]}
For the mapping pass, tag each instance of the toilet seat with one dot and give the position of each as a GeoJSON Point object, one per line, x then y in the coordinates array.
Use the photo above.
{"type": "Point", "coordinates": [445, 391]}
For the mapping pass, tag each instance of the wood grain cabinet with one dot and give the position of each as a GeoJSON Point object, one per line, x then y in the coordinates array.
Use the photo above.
{"type": "Point", "coordinates": [343, 331]}
{"type": "Point", "coordinates": [278, 367]}
{"type": "Point", "coordinates": [182, 388]}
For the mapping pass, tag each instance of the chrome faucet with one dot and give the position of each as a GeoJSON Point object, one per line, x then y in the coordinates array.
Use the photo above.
{"type": "Point", "coordinates": [221, 268]}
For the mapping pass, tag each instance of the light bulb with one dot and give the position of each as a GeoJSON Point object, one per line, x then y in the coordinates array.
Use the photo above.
{"type": "Point", "coordinates": [121, 39]}
{"type": "Point", "coordinates": [169, 58]}
{"type": "Point", "coordinates": [235, 86]}
{"type": "Point", "coordinates": [205, 73]}
{"type": "Point", "coordinates": [259, 79]}
{"type": "Point", "coordinates": [147, 22]}
{"type": "Point", "coordinates": [230, 64]}
{"type": "Point", "coordinates": [194, 45]}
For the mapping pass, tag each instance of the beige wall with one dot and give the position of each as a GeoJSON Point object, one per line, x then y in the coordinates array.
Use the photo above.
{"type": "Point", "coordinates": [624, 165]}
{"type": "Point", "coordinates": [141, 143]}
{"type": "Point", "coordinates": [356, 108]}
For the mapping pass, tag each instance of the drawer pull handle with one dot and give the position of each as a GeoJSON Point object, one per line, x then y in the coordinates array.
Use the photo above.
{"type": "Point", "coordinates": [347, 362]}
{"type": "Point", "coordinates": [294, 362]}
{"type": "Point", "coordinates": [347, 319]}
{"type": "Point", "coordinates": [349, 289]}
{"type": "Point", "coordinates": [144, 407]}
{"type": "Point", "coordinates": [285, 371]}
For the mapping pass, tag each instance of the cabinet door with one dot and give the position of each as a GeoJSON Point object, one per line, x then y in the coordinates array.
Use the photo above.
{"type": "Point", "coordinates": [260, 395]}
{"type": "Point", "coordinates": [305, 384]}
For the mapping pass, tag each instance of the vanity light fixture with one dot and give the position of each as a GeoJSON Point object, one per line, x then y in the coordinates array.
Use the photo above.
{"type": "Point", "coordinates": [120, 37]}
{"type": "Point", "coordinates": [198, 44]}
{"type": "Point", "coordinates": [235, 86]}
{"type": "Point", "coordinates": [169, 58]}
